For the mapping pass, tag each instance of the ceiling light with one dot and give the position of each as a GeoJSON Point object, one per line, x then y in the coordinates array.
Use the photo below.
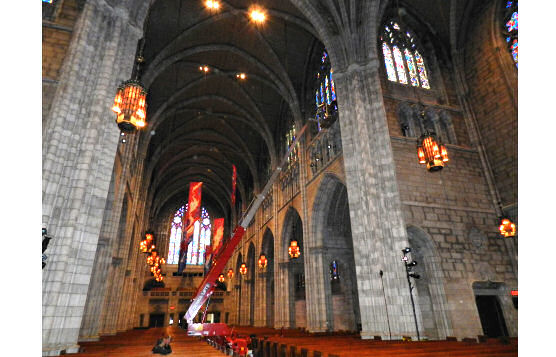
{"type": "Point", "coordinates": [203, 69]}
{"type": "Point", "coordinates": [241, 75]}
{"type": "Point", "coordinates": [212, 4]}
{"type": "Point", "coordinates": [257, 15]}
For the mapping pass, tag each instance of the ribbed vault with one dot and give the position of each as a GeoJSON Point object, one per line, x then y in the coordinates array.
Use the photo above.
{"type": "Point", "coordinates": [202, 123]}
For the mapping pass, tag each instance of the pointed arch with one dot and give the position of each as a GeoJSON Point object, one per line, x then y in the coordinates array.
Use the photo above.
{"type": "Point", "coordinates": [431, 296]}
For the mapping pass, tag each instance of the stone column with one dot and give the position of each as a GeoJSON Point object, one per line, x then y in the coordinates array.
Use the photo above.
{"type": "Point", "coordinates": [378, 228]}
{"type": "Point", "coordinates": [79, 145]}
{"type": "Point", "coordinates": [282, 298]}
{"type": "Point", "coordinates": [315, 290]}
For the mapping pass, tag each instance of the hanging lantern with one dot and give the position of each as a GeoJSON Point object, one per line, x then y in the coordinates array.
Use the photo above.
{"type": "Point", "coordinates": [507, 228]}
{"type": "Point", "coordinates": [146, 245]}
{"type": "Point", "coordinates": [243, 269]}
{"type": "Point", "coordinates": [221, 278]}
{"type": "Point", "coordinates": [293, 249]}
{"type": "Point", "coordinates": [263, 261]}
{"type": "Point", "coordinates": [431, 152]}
{"type": "Point", "coordinates": [230, 273]}
{"type": "Point", "coordinates": [130, 106]}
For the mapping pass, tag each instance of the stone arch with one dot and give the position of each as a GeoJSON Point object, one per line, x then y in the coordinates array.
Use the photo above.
{"type": "Point", "coordinates": [251, 272]}
{"type": "Point", "coordinates": [295, 270]}
{"type": "Point", "coordinates": [431, 297]}
{"type": "Point", "coordinates": [447, 127]}
{"type": "Point", "coordinates": [267, 248]}
{"type": "Point", "coordinates": [331, 228]}
{"type": "Point", "coordinates": [409, 126]}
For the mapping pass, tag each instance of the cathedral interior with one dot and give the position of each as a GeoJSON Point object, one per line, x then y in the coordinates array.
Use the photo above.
{"type": "Point", "coordinates": [385, 125]}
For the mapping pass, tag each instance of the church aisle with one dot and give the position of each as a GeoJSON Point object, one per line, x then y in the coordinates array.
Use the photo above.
{"type": "Point", "coordinates": [139, 343]}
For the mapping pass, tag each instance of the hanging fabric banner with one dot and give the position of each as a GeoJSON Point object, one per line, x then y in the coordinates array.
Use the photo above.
{"type": "Point", "coordinates": [192, 215]}
{"type": "Point", "coordinates": [234, 178]}
{"type": "Point", "coordinates": [218, 233]}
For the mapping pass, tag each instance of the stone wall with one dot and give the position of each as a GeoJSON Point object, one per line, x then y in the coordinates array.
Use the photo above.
{"type": "Point", "coordinates": [491, 79]}
{"type": "Point", "coordinates": [56, 36]}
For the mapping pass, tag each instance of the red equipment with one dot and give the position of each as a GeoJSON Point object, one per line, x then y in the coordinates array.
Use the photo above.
{"type": "Point", "coordinates": [205, 290]}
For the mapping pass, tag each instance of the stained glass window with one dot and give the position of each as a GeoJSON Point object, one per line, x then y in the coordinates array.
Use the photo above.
{"type": "Point", "coordinates": [396, 39]}
{"type": "Point", "coordinates": [332, 87]}
{"type": "Point", "coordinates": [334, 274]}
{"type": "Point", "coordinates": [399, 65]}
{"type": "Point", "coordinates": [290, 136]}
{"type": "Point", "coordinates": [511, 28]}
{"type": "Point", "coordinates": [198, 245]}
{"type": "Point", "coordinates": [411, 68]}
{"type": "Point", "coordinates": [326, 107]}
{"type": "Point", "coordinates": [422, 70]}
{"type": "Point", "coordinates": [389, 62]}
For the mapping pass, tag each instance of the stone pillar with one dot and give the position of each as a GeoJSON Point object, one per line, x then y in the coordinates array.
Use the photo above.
{"type": "Point", "coordinates": [282, 298]}
{"type": "Point", "coordinates": [79, 146]}
{"type": "Point", "coordinates": [315, 290]}
{"type": "Point", "coordinates": [377, 224]}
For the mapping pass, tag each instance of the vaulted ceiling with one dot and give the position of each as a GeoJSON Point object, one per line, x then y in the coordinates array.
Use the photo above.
{"type": "Point", "coordinates": [201, 123]}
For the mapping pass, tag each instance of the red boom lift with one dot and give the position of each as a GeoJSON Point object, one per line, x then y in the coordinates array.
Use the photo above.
{"type": "Point", "coordinates": [205, 290]}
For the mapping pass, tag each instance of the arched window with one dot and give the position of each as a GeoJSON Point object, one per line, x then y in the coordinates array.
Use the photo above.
{"type": "Point", "coordinates": [325, 93]}
{"type": "Point", "coordinates": [403, 62]}
{"type": "Point", "coordinates": [197, 246]}
{"type": "Point", "coordinates": [511, 27]}
{"type": "Point", "coordinates": [290, 136]}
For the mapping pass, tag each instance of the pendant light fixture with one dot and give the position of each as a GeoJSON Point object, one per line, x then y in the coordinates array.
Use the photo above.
{"type": "Point", "coordinates": [130, 104]}
{"type": "Point", "coordinates": [243, 269]}
{"type": "Point", "coordinates": [430, 150]}
{"type": "Point", "coordinates": [263, 262]}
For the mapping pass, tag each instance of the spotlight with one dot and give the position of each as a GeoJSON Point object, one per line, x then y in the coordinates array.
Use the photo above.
{"type": "Point", "coordinates": [412, 264]}
{"type": "Point", "coordinates": [406, 250]}
{"type": "Point", "coordinates": [257, 15]}
{"type": "Point", "coordinates": [241, 75]}
{"type": "Point", "coordinates": [203, 69]}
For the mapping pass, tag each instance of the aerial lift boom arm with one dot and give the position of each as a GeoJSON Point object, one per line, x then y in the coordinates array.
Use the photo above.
{"type": "Point", "coordinates": [208, 284]}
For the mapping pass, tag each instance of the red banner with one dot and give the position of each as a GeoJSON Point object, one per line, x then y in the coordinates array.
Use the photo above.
{"type": "Point", "coordinates": [234, 178]}
{"type": "Point", "coordinates": [192, 215]}
{"type": "Point", "coordinates": [218, 229]}
{"type": "Point", "coordinates": [217, 234]}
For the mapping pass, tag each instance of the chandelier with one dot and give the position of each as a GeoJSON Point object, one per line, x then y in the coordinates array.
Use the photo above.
{"type": "Point", "coordinates": [507, 228]}
{"type": "Point", "coordinates": [230, 273]}
{"type": "Point", "coordinates": [221, 278]}
{"type": "Point", "coordinates": [263, 261]}
{"type": "Point", "coordinates": [293, 249]}
{"type": "Point", "coordinates": [147, 245]}
{"type": "Point", "coordinates": [243, 269]}
{"type": "Point", "coordinates": [431, 151]}
{"type": "Point", "coordinates": [155, 262]}
{"type": "Point", "coordinates": [130, 104]}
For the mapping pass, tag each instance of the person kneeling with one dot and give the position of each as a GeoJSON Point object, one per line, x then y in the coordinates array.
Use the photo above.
{"type": "Point", "coordinates": [163, 345]}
